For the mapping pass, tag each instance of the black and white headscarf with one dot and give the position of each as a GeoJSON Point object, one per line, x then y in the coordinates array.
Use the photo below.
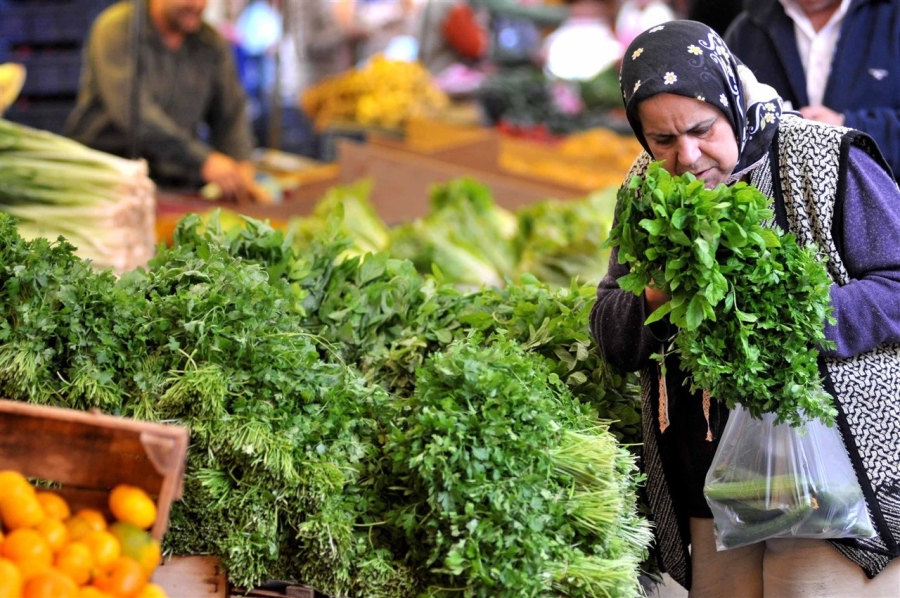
{"type": "Point", "coordinates": [689, 59]}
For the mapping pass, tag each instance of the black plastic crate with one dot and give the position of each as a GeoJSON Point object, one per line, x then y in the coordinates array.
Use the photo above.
{"type": "Point", "coordinates": [47, 21]}
{"type": "Point", "coordinates": [50, 72]}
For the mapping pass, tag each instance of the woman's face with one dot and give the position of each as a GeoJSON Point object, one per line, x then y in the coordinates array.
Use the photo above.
{"type": "Point", "coordinates": [690, 136]}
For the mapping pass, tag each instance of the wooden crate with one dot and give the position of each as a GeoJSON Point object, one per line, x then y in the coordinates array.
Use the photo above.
{"type": "Point", "coordinates": [192, 577]}
{"type": "Point", "coordinates": [204, 577]}
{"type": "Point", "coordinates": [89, 453]}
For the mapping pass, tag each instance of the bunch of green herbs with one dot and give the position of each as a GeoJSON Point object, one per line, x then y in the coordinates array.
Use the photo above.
{"type": "Point", "coordinates": [749, 303]}
{"type": "Point", "coordinates": [291, 371]}
{"type": "Point", "coordinates": [502, 494]}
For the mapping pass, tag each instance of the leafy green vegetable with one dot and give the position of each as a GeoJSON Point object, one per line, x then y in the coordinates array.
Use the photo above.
{"type": "Point", "coordinates": [499, 494]}
{"type": "Point", "coordinates": [431, 249]}
{"type": "Point", "coordinates": [562, 240]}
{"type": "Point", "coordinates": [465, 233]}
{"type": "Point", "coordinates": [344, 210]}
{"type": "Point", "coordinates": [750, 303]}
{"type": "Point", "coordinates": [292, 371]}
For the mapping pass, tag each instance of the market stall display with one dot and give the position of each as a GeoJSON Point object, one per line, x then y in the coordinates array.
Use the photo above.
{"type": "Point", "coordinates": [383, 93]}
{"type": "Point", "coordinates": [465, 234]}
{"type": "Point", "coordinates": [301, 377]}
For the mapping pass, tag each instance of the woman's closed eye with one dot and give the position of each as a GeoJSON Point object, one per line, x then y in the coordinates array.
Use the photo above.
{"type": "Point", "coordinates": [662, 140]}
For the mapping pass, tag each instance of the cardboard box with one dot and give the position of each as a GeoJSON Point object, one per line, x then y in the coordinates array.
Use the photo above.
{"type": "Point", "coordinates": [402, 180]}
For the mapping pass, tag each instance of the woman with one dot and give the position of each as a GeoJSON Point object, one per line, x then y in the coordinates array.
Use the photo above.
{"type": "Point", "coordinates": [692, 105]}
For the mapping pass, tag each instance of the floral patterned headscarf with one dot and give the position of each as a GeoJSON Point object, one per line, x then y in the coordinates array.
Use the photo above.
{"type": "Point", "coordinates": [688, 58]}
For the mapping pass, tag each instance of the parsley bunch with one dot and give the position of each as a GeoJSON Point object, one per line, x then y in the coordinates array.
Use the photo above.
{"type": "Point", "coordinates": [749, 303]}
{"type": "Point", "coordinates": [502, 497]}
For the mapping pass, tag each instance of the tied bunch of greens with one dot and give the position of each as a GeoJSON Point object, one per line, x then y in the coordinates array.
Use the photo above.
{"type": "Point", "coordinates": [510, 487]}
{"type": "Point", "coordinates": [750, 304]}
{"type": "Point", "coordinates": [102, 204]}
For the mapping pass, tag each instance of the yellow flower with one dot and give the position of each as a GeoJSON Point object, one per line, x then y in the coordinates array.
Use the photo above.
{"type": "Point", "coordinates": [695, 50]}
{"type": "Point", "coordinates": [637, 53]}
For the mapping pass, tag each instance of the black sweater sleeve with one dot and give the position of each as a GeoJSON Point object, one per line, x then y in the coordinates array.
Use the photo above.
{"type": "Point", "coordinates": [617, 323]}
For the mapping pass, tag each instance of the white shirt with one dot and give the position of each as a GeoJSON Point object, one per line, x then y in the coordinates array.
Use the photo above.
{"type": "Point", "coordinates": [632, 19]}
{"type": "Point", "coordinates": [816, 47]}
{"type": "Point", "coordinates": [580, 49]}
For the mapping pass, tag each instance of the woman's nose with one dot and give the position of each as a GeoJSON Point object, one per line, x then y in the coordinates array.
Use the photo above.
{"type": "Point", "coordinates": [688, 153]}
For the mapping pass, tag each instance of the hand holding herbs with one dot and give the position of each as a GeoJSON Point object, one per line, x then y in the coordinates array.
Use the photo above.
{"type": "Point", "coordinates": [749, 303]}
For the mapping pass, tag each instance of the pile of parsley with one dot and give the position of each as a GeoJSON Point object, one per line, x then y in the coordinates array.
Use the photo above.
{"type": "Point", "coordinates": [750, 304]}
{"type": "Point", "coordinates": [508, 484]}
{"type": "Point", "coordinates": [302, 378]}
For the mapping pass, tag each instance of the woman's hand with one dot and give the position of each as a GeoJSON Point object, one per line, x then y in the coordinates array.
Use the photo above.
{"type": "Point", "coordinates": [654, 298]}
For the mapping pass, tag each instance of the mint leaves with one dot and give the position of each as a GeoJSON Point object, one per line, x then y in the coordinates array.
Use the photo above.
{"type": "Point", "coordinates": [749, 303]}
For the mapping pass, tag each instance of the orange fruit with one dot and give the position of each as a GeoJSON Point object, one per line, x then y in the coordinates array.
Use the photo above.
{"type": "Point", "coordinates": [137, 544]}
{"type": "Point", "coordinates": [124, 579]}
{"type": "Point", "coordinates": [27, 545]}
{"type": "Point", "coordinates": [151, 590]}
{"type": "Point", "coordinates": [10, 480]}
{"type": "Point", "coordinates": [54, 505]}
{"type": "Point", "coordinates": [78, 527]}
{"type": "Point", "coordinates": [20, 508]}
{"type": "Point", "coordinates": [10, 580]}
{"type": "Point", "coordinates": [50, 584]}
{"type": "Point", "coordinates": [95, 519]}
{"type": "Point", "coordinates": [104, 548]}
{"type": "Point", "coordinates": [54, 531]}
{"type": "Point", "coordinates": [133, 505]}
{"type": "Point", "coordinates": [76, 561]}
{"type": "Point", "coordinates": [92, 592]}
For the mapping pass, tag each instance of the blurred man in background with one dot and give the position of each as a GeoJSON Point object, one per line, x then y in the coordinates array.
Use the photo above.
{"type": "Point", "coordinates": [191, 123]}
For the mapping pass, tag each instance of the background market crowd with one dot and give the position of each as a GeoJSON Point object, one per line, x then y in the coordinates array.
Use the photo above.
{"type": "Point", "coordinates": [242, 66]}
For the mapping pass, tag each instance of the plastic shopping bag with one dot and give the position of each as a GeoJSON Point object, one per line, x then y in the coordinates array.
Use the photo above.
{"type": "Point", "coordinates": [775, 481]}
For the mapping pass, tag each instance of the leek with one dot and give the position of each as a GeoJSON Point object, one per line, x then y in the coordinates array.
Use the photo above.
{"type": "Point", "coordinates": [56, 187]}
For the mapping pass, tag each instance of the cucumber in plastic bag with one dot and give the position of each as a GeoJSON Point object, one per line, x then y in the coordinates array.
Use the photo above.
{"type": "Point", "coordinates": [776, 481]}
